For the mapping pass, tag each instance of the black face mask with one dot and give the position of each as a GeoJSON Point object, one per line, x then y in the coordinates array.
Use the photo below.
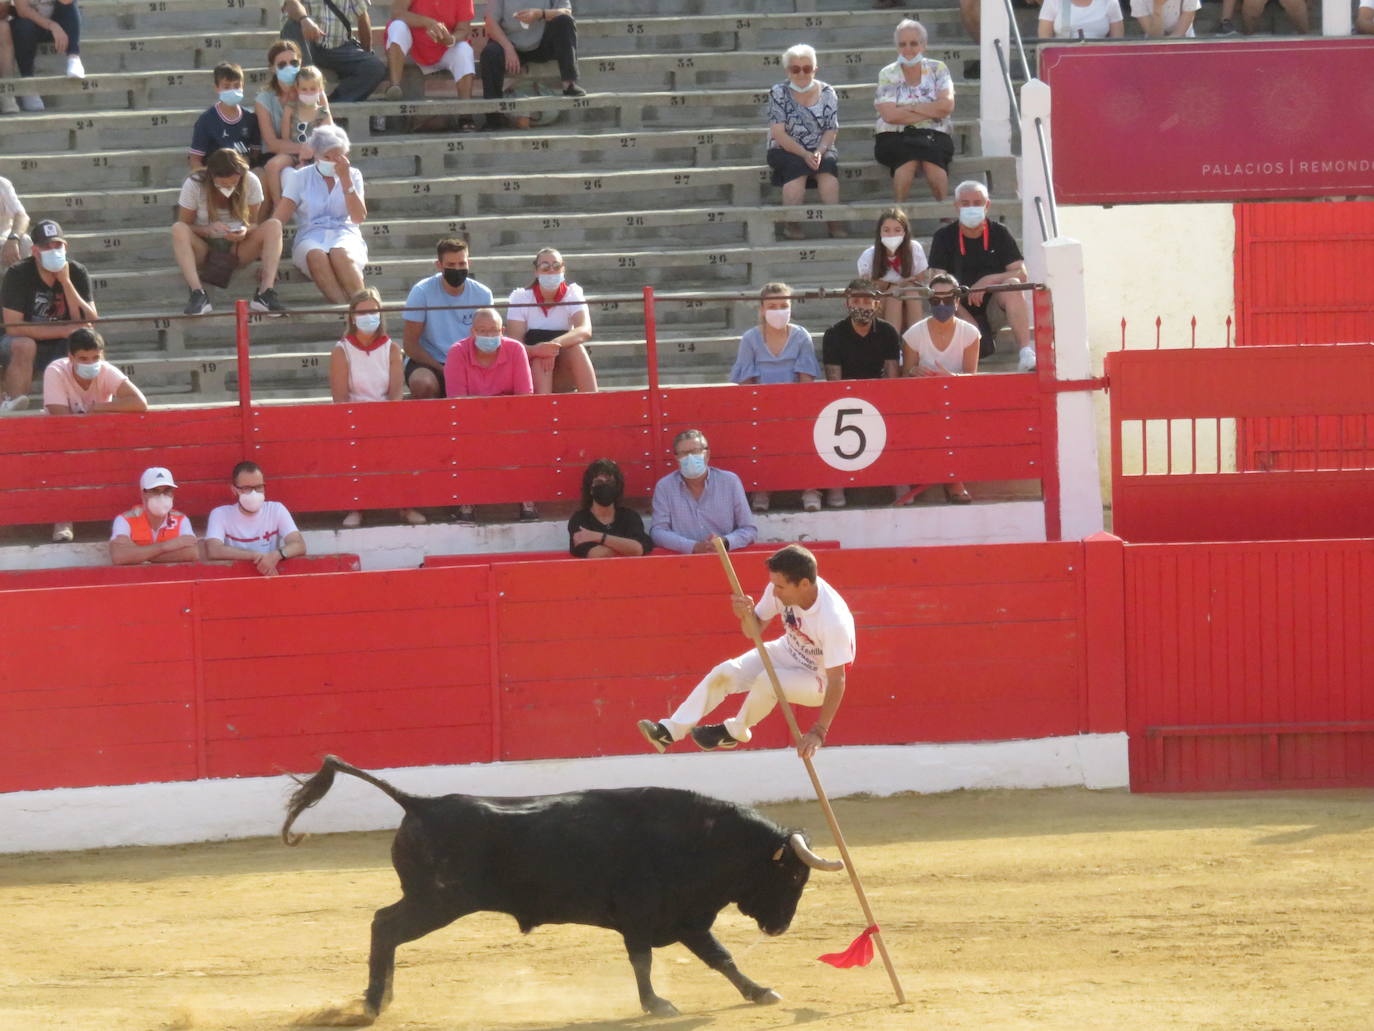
{"type": "Point", "coordinates": [605, 493]}
{"type": "Point", "coordinates": [455, 276]}
{"type": "Point", "coordinates": [863, 316]}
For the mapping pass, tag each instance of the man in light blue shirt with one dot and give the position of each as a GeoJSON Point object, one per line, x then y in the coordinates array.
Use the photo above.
{"type": "Point", "coordinates": [697, 504]}
{"type": "Point", "coordinates": [430, 334]}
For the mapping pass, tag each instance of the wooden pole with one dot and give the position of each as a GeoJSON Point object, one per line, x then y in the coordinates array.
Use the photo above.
{"type": "Point", "coordinates": [815, 780]}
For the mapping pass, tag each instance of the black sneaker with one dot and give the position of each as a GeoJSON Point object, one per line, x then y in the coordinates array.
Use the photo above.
{"type": "Point", "coordinates": [574, 91]}
{"type": "Point", "coordinates": [528, 513]}
{"type": "Point", "coordinates": [711, 737]}
{"type": "Point", "coordinates": [197, 304]}
{"type": "Point", "coordinates": [1226, 28]}
{"type": "Point", "coordinates": [267, 301]}
{"type": "Point", "coordinates": [656, 734]}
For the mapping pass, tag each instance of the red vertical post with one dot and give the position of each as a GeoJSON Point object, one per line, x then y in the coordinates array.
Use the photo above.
{"type": "Point", "coordinates": [245, 371]}
{"type": "Point", "coordinates": [494, 660]}
{"type": "Point", "coordinates": [655, 397]}
{"type": "Point", "coordinates": [198, 673]}
{"type": "Point", "coordinates": [1049, 410]}
{"type": "Point", "coordinates": [1104, 634]}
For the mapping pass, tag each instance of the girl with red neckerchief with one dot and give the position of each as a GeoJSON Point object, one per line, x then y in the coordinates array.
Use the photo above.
{"type": "Point", "coordinates": [551, 318]}
{"type": "Point", "coordinates": [366, 366]}
{"type": "Point", "coordinates": [894, 261]}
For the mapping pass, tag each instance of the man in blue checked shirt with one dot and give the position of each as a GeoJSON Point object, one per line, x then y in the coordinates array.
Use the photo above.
{"type": "Point", "coordinates": [697, 504]}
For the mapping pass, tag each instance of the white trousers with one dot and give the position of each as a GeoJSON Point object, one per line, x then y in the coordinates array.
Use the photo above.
{"type": "Point", "coordinates": [457, 60]}
{"type": "Point", "coordinates": [745, 673]}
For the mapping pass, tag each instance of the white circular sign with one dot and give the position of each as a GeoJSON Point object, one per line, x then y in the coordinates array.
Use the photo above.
{"type": "Point", "coordinates": [849, 434]}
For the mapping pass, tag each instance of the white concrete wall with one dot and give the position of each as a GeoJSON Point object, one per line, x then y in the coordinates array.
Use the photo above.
{"type": "Point", "coordinates": [1174, 261]}
{"type": "Point", "coordinates": [211, 810]}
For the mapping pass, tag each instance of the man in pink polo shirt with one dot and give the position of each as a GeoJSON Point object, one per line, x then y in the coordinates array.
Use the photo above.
{"type": "Point", "coordinates": [488, 364]}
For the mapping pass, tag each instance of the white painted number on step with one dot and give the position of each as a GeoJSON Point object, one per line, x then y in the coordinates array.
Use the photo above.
{"type": "Point", "coordinates": [849, 434]}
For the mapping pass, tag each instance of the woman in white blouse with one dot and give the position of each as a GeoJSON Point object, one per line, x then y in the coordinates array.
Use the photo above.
{"type": "Point", "coordinates": [366, 366]}
{"type": "Point", "coordinates": [1081, 19]}
{"type": "Point", "coordinates": [942, 345]}
{"type": "Point", "coordinates": [551, 318]}
{"type": "Point", "coordinates": [326, 199]}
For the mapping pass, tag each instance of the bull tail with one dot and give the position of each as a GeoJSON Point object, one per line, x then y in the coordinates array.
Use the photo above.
{"type": "Point", "coordinates": [311, 791]}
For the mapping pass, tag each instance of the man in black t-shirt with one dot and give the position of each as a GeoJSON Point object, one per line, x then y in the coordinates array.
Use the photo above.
{"type": "Point", "coordinates": [861, 346]}
{"type": "Point", "coordinates": [41, 289]}
{"type": "Point", "coordinates": [981, 253]}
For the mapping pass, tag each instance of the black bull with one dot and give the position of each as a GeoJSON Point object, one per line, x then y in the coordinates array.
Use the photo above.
{"type": "Point", "coordinates": [655, 864]}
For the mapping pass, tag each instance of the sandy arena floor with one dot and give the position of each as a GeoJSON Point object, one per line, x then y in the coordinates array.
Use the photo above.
{"type": "Point", "coordinates": [1003, 910]}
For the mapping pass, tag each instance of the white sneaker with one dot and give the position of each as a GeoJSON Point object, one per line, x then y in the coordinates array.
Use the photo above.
{"type": "Point", "coordinates": [759, 501]}
{"type": "Point", "coordinates": [8, 105]}
{"type": "Point", "coordinates": [62, 533]}
{"type": "Point", "coordinates": [1027, 362]}
{"type": "Point", "coordinates": [353, 520]}
{"type": "Point", "coordinates": [75, 69]}
{"type": "Point", "coordinates": [834, 497]}
{"type": "Point", "coordinates": [811, 501]}
{"type": "Point", "coordinates": [31, 104]}
{"type": "Point", "coordinates": [413, 516]}
{"type": "Point", "coordinates": [13, 404]}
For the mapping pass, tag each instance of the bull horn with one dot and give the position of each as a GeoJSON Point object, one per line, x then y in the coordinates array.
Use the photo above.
{"type": "Point", "coordinates": [810, 858]}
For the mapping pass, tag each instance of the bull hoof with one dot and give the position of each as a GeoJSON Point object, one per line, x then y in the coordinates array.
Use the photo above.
{"type": "Point", "coordinates": [767, 997]}
{"type": "Point", "coordinates": [661, 1008]}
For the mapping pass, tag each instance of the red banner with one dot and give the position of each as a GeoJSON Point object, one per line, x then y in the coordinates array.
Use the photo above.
{"type": "Point", "coordinates": [1221, 121]}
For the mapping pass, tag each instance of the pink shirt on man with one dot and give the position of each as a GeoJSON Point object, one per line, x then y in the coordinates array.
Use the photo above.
{"type": "Point", "coordinates": [509, 374]}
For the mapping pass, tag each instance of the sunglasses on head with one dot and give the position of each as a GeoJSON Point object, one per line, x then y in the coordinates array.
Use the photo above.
{"type": "Point", "coordinates": [800, 69]}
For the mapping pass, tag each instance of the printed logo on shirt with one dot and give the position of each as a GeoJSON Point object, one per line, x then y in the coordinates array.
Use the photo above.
{"type": "Point", "coordinates": [802, 646]}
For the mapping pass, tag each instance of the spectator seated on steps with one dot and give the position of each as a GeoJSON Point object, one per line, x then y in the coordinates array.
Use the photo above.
{"type": "Point", "coordinates": [603, 527]}
{"type": "Point", "coordinates": [434, 34]}
{"type": "Point", "coordinates": [522, 32]}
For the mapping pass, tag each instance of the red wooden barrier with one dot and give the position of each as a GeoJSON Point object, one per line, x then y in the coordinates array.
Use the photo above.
{"type": "Point", "coordinates": [480, 559]}
{"type": "Point", "coordinates": [170, 681]}
{"type": "Point", "coordinates": [1178, 409]}
{"type": "Point", "coordinates": [1251, 665]}
{"type": "Point", "coordinates": [488, 450]}
{"type": "Point", "coordinates": [90, 576]}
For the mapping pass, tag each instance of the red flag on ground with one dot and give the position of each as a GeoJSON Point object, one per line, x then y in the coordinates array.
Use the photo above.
{"type": "Point", "coordinates": [859, 953]}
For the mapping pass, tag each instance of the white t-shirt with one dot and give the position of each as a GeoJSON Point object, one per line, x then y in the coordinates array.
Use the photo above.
{"type": "Point", "coordinates": [60, 386]}
{"type": "Point", "coordinates": [193, 198]}
{"type": "Point", "coordinates": [818, 638]}
{"type": "Point", "coordinates": [264, 530]}
{"type": "Point", "coordinates": [10, 208]}
{"type": "Point", "coordinates": [524, 308]}
{"type": "Point", "coordinates": [951, 359]}
{"type": "Point", "coordinates": [1173, 10]}
{"type": "Point", "coordinates": [892, 275]}
{"type": "Point", "coordinates": [1093, 20]}
{"type": "Point", "coordinates": [122, 528]}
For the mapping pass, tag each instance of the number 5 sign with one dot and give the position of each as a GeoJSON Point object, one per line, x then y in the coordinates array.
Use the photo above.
{"type": "Point", "coordinates": [849, 434]}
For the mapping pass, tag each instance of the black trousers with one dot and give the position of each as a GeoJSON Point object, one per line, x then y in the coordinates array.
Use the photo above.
{"type": "Point", "coordinates": [359, 71]}
{"type": "Point", "coordinates": [27, 35]}
{"type": "Point", "coordinates": [559, 44]}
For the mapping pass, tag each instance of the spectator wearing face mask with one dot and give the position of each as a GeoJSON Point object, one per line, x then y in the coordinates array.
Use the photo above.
{"type": "Point", "coordinates": [365, 366]}
{"type": "Point", "coordinates": [439, 312]}
{"type": "Point", "coordinates": [153, 531]}
{"type": "Point", "coordinates": [284, 67]}
{"type": "Point", "coordinates": [326, 199]}
{"type": "Point", "coordinates": [298, 114]}
{"type": "Point", "coordinates": [488, 364]}
{"type": "Point", "coordinates": [861, 346]}
{"type": "Point", "coordinates": [252, 529]}
{"type": "Point", "coordinates": [41, 297]}
{"type": "Point", "coordinates": [777, 351]}
{"type": "Point", "coordinates": [226, 123]}
{"type": "Point", "coordinates": [602, 527]}
{"type": "Point", "coordinates": [942, 345]}
{"type": "Point", "coordinates": [699, 503]}
{"type": "Point", "coordinates": [551, 318]}
{"type": "Point", "coordinates": [84, 383]}
{"type": "Point", "coordinates": [895, 260]}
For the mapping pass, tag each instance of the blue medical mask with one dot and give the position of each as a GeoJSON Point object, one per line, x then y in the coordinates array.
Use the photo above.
{"type": "Point", "coordinates": [54, 259]}
{"type": "Point", "coordinates": [972, 218]}
{"type": "Point", "coordinates": [488, 345]}
{"type": "Point", "coordinates": [550, 281]}
{"type": "Point", "coordinates": [88, 370]}
{"type": "Point", "coordinates": [942, 312]}
{"type": "Point", "coordinates": [907, 62]}
{"type": "Point", "coordinates": [800, 89]}
{"type": "Point", "coordinates": [692, 466]}
{"type": "Point", "coordinates": [325, 167]}
{"type": "Point", "coordinates": [231, 97]}
{"type": "Point", "coordinates": [287, 75]}
{"type": "Point", "coordinates": [368, 322]}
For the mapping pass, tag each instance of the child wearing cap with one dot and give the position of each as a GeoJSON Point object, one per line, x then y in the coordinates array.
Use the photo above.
{"type": "Point", "coordinates": [153, 531]}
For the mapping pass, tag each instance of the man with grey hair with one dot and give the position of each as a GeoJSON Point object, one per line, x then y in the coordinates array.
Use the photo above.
{"type": "Point", "coordinates": [981, 253]}
{"type": "Point", "coordinates": [697, 504]}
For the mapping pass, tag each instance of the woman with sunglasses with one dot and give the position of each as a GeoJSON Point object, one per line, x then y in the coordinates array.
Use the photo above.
{"type": "Point", "coordinates": [914, 101]}
{"type": "Point", "coordinates": [284, 64]}
{"type": "Point", "coordinates": [803, 121]}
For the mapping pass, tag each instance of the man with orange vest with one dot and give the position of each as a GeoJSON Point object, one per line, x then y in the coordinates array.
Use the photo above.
{"type": "Point", "coordinates": [153, 531]}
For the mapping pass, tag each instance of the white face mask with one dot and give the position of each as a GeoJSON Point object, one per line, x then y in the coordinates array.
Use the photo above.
{"type": "Point", "coordinates": [309, 99]}
{"type": "Point", "coordinates": [252, 501]}
{"type": "Point", "coordinates": [54, 259]}
{"type": "Point", "coordinates": [88, 371]}
{"type": "Point", "coordinates": [159, 505]}
{"type": "Point", "coordinates": [778, 317]}
{"type": "Point", "coordinates": [325, 167]}
{"type": "Point", "coordinates": [972, 217]}
{"type": "Point", "coordinates": [550, 281]}
{"type": "Point", "coordinates": [225, 191]}
{"type": "Point", "coordinates": [368, 322]}
{"type": "Point", "coordinates": [893, 242]}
